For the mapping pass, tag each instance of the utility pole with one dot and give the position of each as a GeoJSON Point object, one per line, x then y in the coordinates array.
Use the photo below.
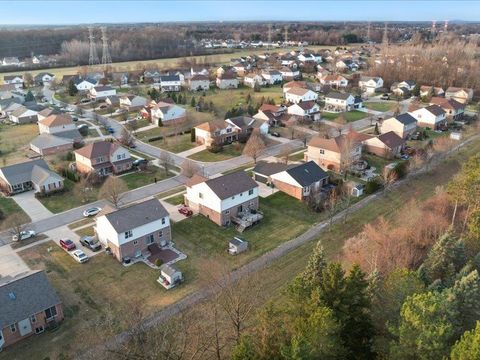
{"type": "Point", "coordinates": [93, 57]}
{"type": "Point", "coordinates": [106, 59]}
{"type": "Point", "coordinates": [445, 27]}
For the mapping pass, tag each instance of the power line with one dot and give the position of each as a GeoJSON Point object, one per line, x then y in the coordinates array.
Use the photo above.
{"type": "Point", "coordinates": [106, 59]}
{"type": "Point", "coordinates": [93, 57]}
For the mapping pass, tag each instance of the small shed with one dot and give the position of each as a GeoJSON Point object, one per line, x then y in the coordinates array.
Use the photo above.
{"type": "Point", "coordinates": [356, 188]}
{"type": "Point", "coordinates": [170, 276]}
{"type": "Point", "coordinates": [456, 135]}
{"type": "Point", "coordinates": [237, 246]}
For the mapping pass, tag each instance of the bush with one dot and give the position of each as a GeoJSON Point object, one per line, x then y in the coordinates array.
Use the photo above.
{"type": "Point", "coordinates": [155, 138]}
{"type": "Point", "coordinates": [215, 148]}
{"type": "Point", "coordinates": [401, 170]}
{"type": "Point", "coordinates": [372, 186]}
{"type": "Point", "coordinates": [158, 262]}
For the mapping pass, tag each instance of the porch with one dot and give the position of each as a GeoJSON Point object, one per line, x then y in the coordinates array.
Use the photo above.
{"type": "Point", "coordinates": [247, 219]}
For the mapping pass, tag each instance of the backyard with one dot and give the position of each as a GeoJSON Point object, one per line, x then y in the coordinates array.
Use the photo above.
{"type": "Point", "coordinates": [175, 144]}
{"type": "Point", "coordinates": [379, 106]}
{"type": "Point", "coordinates": [15, 142]}
{"type": "Point", "coordinates": [349, 116]}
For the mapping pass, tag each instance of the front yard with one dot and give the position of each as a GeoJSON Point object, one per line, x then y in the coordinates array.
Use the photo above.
{"type": "Point", "coordinates": [228, 152]}
{"type": "Point", "coordinates": [379, 106]}
{"type": "Point", "coordinates": [8, 207]}
{"type": "Point", "coordinates": [349, 116]}
{"type": "Point", "coordinates": [175, 144]}
{"type": "Point", "coordinates": [145, 177]}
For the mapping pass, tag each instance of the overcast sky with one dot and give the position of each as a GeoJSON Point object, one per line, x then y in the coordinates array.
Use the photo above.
{"type": "Point", "coordinates": [89, 11]}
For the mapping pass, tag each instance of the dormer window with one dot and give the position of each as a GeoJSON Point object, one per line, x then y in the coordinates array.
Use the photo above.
{"type": "Point", "coordinates": [163, 221]}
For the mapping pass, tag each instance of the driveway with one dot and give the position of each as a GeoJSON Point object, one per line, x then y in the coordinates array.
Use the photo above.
{"type": "Point", "coordinates": [264, 190]}
{"type": "Point", "coordinates": [173, 211]}
{"type": "Point", "coordinates": [32, 206]}
{"type": "Point", "coordinates": [63, 232]}
{"type": "Point", "coordinates": [11, 263]}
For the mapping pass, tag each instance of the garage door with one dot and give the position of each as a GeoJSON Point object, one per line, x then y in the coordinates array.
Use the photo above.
{"type": "Point", "coordinates": [261, 178]}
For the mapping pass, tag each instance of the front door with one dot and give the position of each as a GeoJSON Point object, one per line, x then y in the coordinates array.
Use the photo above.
{"type": "Point", "coordinates": [25, 327]}
{"type": "Point", "coordinates": [240, 208]}
{"type": "Point", "coordinates": [138, 253]}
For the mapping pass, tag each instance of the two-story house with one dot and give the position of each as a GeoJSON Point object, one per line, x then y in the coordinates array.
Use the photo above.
{"type": "Point", "coordinates": [462, 95]}
{"type": "Point", "coordinates": [431, 116]}
{"type": "Point", "coordinates": [16, 80]}
{"type": "Point", "coordinates": [253, 79]}
{"type": "Point", "coordinates": [297, 94]}
{"type": "Point", "coordinates": [29, 305]}
{"type": "Point", "coordinates": [334, 80]}
{"type": "Point", "coordinates": [224, 132]}
{"type": "Point", "coordinates": [132, 231]}
{"type": "Point", "coordinates": [273, 114]}
{"type": "Point", "coordinates": [370, 84]}
{"type": "Point", "coordinates": [427, 90]}
{"type": "Point", "coordinates": [404, 125]}
{"type": "Point", "coordinates": [199, 82]}
{"type": "Point", "coordinates": [164, 113]}
{"type": "Point", "coordinates": [170, 83]}
{"type": "Point", "coordinates": [102, 158]}
{"type": "Point", "coordinates": [272, 77]}
{"type": "Point", "coordinates": [43, 78]}
{"type": "Point", "coordinates": [290, 73]}
{"type": "Point", "coordinates": [222, 198]}
{"type": "Point", "coordinates": [308, 110]}
{"type": "Point", "coordinates": [228, 80]}
{"type": "Point", "coordinates": [454, 110]}
{"type": "Point", "coordinates": [339, 102]}
{"type": "Point", "coordinates": [132, 102]}
{"type": "Point", "coordinates": [84, 84]}
{"type": "Point", "coordinates": [101, 92]}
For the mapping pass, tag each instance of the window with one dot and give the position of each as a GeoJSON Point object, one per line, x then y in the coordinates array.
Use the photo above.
{"type": "Point", "coordinates": [135, 242]}
{"type": "Point", "coordinates": [13, 328]}
{"type": "Point", "coordinates": [128, 234]}
{"type": "Point", "coordinates": [100, 159]}
{"type": "Point", "coordinates": [163, 221]}
{"type": "Point", "coordinates": [233, 197]}
{"type": "Point", "coordinates": [229, 130]}
{"type": "Point", "coordinates": [33, 319]}
{"type": "Point", "coordinates": [150, 239]}
{"type": "Point", "coordinates": [227, 212]}
{"type": "Point", "coordinates": [51, 313]}
{"type": "Point", "coordinates": [250, 192]}
{"type": "Point", "coordinates": [200, 195]}
{"type": "Point", "coordinates": [322, 151]}
{"type": "Point", "coordinates": [160, 233]}
{"type": "Point", "coordinates": [119, 157]}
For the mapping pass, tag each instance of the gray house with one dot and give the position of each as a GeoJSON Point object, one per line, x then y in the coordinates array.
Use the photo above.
{"type": "Point", "coordinates": [31, 175]}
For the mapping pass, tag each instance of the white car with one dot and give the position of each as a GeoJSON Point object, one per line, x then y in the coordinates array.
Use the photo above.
{"type": "Point", "coordinates": [92, 211]}
{"type": "Point", "coordinates": [80, 256]}
{"type": "Point", "coordinates": [24, 235]}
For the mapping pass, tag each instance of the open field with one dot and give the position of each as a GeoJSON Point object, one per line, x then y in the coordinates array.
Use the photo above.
{"type": "Point", "coordinates": [8, 207]}
{"type": "Point", "coordinates": [349, 116]}
{"type": "Point", "coordinates": [228, 152]}
{"type": "Point", "coordinates": [15, 142]}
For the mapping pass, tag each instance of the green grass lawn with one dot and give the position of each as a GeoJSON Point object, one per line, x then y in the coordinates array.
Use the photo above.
{"type": "Point", "coordinates": [68, 199]}
{"type": "Point", "coordinates": [350, 116]}
{"type": "Point", "coordinates": [376, 161]}
{"type": "Point", "coordinates": [141, 178]}
{"type": "Point", "coordinates": [379, 106]}
{"type": "Point", "coordinates": [176, 200]}
{"type": "Point", "coordinates": [228, 152]}
{"type": "Point", "coordinates": [8, 207]}
{"type": "Point", "coordinates": [175, 144]}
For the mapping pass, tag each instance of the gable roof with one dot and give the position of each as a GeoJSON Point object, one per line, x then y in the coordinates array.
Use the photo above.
{"type": "Point", "coordinates": [241, 121]}
{"type": "Point", "coordinates": [447, 103]}
{"type": "Point", "coordinates": [307, 174]}
{"type": "Point", "coordinates": [297, 91]}
{"type": "Point", "coordinates": [228, 185]}
{"type": "Point", "coordinates": [136, 215]}
{"type": "Point", "coordinates": [391, 139]}
{"type": "Point", "coordinates": [435, 110]}
{"type": "Point", "coordinates": [212, 126]}
{"type": "Point", "coordinates": [22, 172]}
{"type": "Point", "coordinates": [292, 84]}
{"type": "Point", "coordinates": [56, 120]}
{"type": "Point", "coordinates": [199, 77]}
{"type": "Point", "coordinates": [338, 95]}
{"type": "Point", "coordinates": [269, 107]}
{"type": "Point", "coordinates": [336, 144]}
{"type": "Point", "coordinates": [306, 105]}
{"type": "Point", "coordinates": [269, 168]}
{"type": "Point", "coordinates": [24, 296]}
{"type": "Point", "coordinates": [96, 149]}
{"type": "Point", "coordinates": [405, 119]}
{"type": "Point", "coordinates": [169, 78]}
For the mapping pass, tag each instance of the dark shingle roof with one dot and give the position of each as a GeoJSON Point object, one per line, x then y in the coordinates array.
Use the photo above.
{"type": "Point", "coordinates": [136, 215]}
{"type": "Point", "coordinates": [307, 174]}
{"type": "Point", "coordinates": [269, 168]}
{"type": "Point", "coordinates": [22, 172]}
{"type": "Point", "coordinates": [337, 95]}
{"type": "Point", "coordinates": [24, 296]}
{"type": "Point", "coordinates": [391, 139]}
{"type": "Point", "coordinates": [169, 78]}
{"type": "Point", "coordinates": [231, 184]}
{"type": "Point", "coordinates": [435, 110]}
{"type": "Point", "coordinates": [242, 121]}
{"type": "Point", "coordinates": [406, 119]}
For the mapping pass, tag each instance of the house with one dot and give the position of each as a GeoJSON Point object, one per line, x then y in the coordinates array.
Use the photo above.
{"type": "Point", "coordinates": [293, 84]}
{"type": "Point", "coordinates": [199, 71]}
{"type": "Point", "coordinates": [289, 74]}
{"type": "Point", "coordinates": [199, 82]}
{"type": "Point", "coordinates": [43, 78]}
{"type": "Point", "coordinates": [7, 106]}
{"type": "Point", "coordinates": [408, 84]}
{"type": "Point", "coordinates": [252, 79]}
{"type": "Point", "coordinates": [272, 77]}
{"type": "Point", "coordinates": [387, 145]}
{"type": "Point", "coordinates": [131, 231]}
{"type": "Point", "coordinates": [151, 76]}
{"type": "Point", "coordinates": [166, 113]}
{"type": "Point", "coordinates": [306, 58]}
{"type": "Point", "coordinates": [8, 91]}
{"type": "Point", "coordinates": [334, 80]}
{"type": "Point", "coordinates": [402, 92]}
{"type": "Point", "coordinates": [17, 80]}
{"type": "Point", "coordinates": [240, 69]}
{"type": "Point", "coordinates": [237, 245]}
{"type": "Point", "coordinates": [426, 91]}
{"type": "Point", "coordinates": [132, 102]}
{"type": "Point", "coordinates": [170, 83]}
{"type": "Point", "coordinates": [308, 110]}
{"type": "Point", "coordinates": [102, 158]}
{"type": "Point", "coordinates": [84, 84]}
{"type": "Point", "coordinates": [224, 132]}
{"type": "Point", "coordinates": [10, 61]}
{"type": "Point", "coordinates": [112, 101]}
{"type": "Point", "coordinates": [25, 115]}
{"type": "Point", "coordinates": [120, 78]}
{"type": "Point", "coordinates": [30, 175]}
{"type": "Point", "coordinates": [431, 116]}
{"type": "Point", "coordinates": [28, 305]}
{"type": "Point", "coordinates": [331, 154]}
{"type": "Point", "coordinates": [370, 85]}
{"type": "Point", "coordinates": [58, 124]}
{"type": "Point", "coordinates": [339, 102]}
{"type": "Point", "coordinates": [403, 125]}
{"type": "Point", "coordinates": [227, 80]}
{"type": "Point", "coordinates": [296, 95]}
{"type": "Point", "coordinates": [46, 113]}
{"type": "Point", "coordinates": [170, 276]}
{"type": "Point", "coordinates": [462, 95]}
{"type": "Point", "coordinates": [273, 114]}
{"type": "Point", "coordinates": [263, 170]}
{"type": "Point", "coordinates": [224, 198]}
{"type": "Point", "coordinates": [101, 92]}
{"type": "Point", "coordinates": [454, 110]}
{"type": "Point", "coordinates": [347, 65]}
{"type": "Point", "coordinates": [301, 180]}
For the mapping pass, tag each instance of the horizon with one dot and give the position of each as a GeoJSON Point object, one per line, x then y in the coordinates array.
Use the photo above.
{"type": "Point", "coordinates": [73, 13]}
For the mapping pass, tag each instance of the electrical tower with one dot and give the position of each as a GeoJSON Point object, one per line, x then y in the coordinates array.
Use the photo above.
{"type": "Point", "coordinates": [368, 32]}
{"type": "Point", "coordinates": [286, 34]}
{"type": "Point", "coordinates": [93, 57]}
{"type": "Point", "coordinates": [269, 35]}
{"type": "Point", "coordinates": [106, 59]}
{"type": "Point", "coordinates": [385, 35]}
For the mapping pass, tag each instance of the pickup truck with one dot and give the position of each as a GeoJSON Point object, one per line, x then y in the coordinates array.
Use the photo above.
{"type": "Point", "coordinates": [91, 243]}
{"type": "Point", "coordinates": [24, 235]}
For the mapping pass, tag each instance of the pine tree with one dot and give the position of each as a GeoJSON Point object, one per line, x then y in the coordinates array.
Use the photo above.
{"type": "Point", "coordinates": [465, 293]}
{"type": "Point", "coordinates": [72, 89]}
{"type": "Point", "coordinates": [192, 102]}
{"type": "Point", "coordinates": [243, 350]}
{"type": "Point", "coordinates": [29, 97]}
{"type": "Point", "coordinates": [468, 347]}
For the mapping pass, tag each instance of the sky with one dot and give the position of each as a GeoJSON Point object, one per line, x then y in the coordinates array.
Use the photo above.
{"type": "Point", "coordinates": [114, 11]}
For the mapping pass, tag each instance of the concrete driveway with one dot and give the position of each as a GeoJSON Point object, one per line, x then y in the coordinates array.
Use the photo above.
{"type": "Point", "coordinates": [173, 211]}
{"type": "Point", "coordinates": [264, 190]}
{"type": "Point", "coordinates": [63, 232]}
{"type": "Point", "coordinates": [32, 206]}
{"type": "Point", "coordinates": [11, 264]}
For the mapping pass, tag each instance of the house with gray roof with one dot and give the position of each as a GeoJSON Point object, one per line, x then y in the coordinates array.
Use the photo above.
{"type": "Point", "coordinates": [30, 175]}
{"type": "Point", "coordinates": [339, 102]}
{"type": "Point", "coordinates": [28, 305]}
{"type": "Point", "coordinates": [223, 198]}
{"type": "Point", "coordinates": [404, 125]}
{"type": "Point", "coordinates": [131, 232]}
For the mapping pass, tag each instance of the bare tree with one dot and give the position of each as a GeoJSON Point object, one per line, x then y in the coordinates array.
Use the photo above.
{"type": "Point", "coordinates": [347, 156]}
{"type": "Point", "coordinates": [84, 189]}
{"type": "Point", "coordinates": [254, 146]}
{"type": "Point", "coordinates": [166, 161]}
{"type": "Point", "coordinates": [389, 176]}
{"type": "Point", "coordinates": [190, 168]}
{"type": "Point", "coordinates": [126, 138]}
{"type": "Point", "coordinates": [113, 189]}
{"type": "Point", "coordinates": [15, 224]}
{"type": "Point", "coordinates": [331, 204]}
{"type": "Point", "coordinates": [285, 154]}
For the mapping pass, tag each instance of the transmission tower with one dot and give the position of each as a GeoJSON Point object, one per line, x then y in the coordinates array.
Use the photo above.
{"type": "Point", "coordinates": [93, 57]}
{"type": "Point", "coordinates": [368, 32]}
{"type": "Point", "coordinates": [269, 35]}
{"type": "Point", "coordinates": [385, 35]}
{"type": "Point", "coordinates": [106, 59]}
{"type": "Point", "coordinates": [286, 34]}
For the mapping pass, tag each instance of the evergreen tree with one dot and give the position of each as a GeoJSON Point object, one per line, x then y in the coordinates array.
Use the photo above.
{"type": "Point", "coordinates": [174, 98]}
{"type": "Point", "coordinates": [465, 293]}
{"type": "Point", "coordinates": [192, 102]}
{"type": "Point", "coordinates": [376, 131]}
{"type": "Point", "coordinates": [244, 349]}
{"type": "Point", "coordinates": [193, 137]}
{"type": "Point", "coordinates": [29, 96]}
{"type": "Point", "coordinates": [72, 89]}
{"type": "Point", "coordinates": [180, 99]}
{"type": "Point", "coordinates": [416, 90]}
{"type": "Point", "coordinates": [468, 347]}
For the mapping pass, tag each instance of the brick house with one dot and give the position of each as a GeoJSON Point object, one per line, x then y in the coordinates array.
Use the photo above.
{"type": "Point", "coordinates": [222, 198]}
{"type": "Point", "coordinates": [224, 132]}
{"type": "Point", "coordinates": [130, 231]}
{"type": "Point", "coordinates": [387, 145]}
{"type": "Point", "coordinates": [28, 305]}
{"type": "Point", "coordinates": [102, 158]}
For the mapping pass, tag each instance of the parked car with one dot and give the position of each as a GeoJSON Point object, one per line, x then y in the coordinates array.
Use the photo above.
{"type": "Point", "coordinates": [74, 118]}
{"type": "Point", "coordinates": [91, 243]}
{"type": "Point", "coordinates": [92, 211]}
{"type": "Point", "coordinates": [110, 130]}
{"type": "Point", "coordinates": [185, 211]}
{"type": "Point", "coordinates": [274, 133]}
{"type": "Point", "coordinates": [385, 97]}
{"type": "Point", "coordinates": [80, 256]}
{"type": "Point", "coordinates": [24, 235]}
{"type": "Point", "coordinates": [67, 244]}
{"type": "Point", "coordinates": [139, 162]}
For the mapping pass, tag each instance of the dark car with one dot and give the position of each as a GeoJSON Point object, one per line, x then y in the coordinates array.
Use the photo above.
{"type": "Point", "coordinates": [185, 211]}
{"type": "Point", "coordinates": [110, 130]}
{"type": "Point", "coordinates": [274, 133]}
{"type": "Point", "coordinates": [74, 118]}
{"type": "Point", "coordinates": [140, 162]}
{"type": "Point", "coordinates": [91, 243]}
{"type": "Point", "coordinates": [385, 97]}
{"type": "Point", "coordinates": [67, 244]}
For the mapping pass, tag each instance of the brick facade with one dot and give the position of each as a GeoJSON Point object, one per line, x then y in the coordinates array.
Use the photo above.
{"type": "Point", "coordinates": [224, 218]}
{"type": "Point", "coordinates": [289, 189]}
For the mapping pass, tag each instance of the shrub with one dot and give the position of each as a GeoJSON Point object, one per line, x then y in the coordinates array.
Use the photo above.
{"type": "Point", "coordinates": [371, 186]}
{"type": "Point", "coordinates": [158, 262]}
{"type": "Point", "coordinates": [401, 170]}
{"type": "Point", "coordinates": [155, 138]}
{"type": "Point", "coordinates": [215, 148]}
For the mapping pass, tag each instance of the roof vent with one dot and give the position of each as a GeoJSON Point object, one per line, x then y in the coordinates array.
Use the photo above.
{"type": "Point", "coordinates": [12, 296]}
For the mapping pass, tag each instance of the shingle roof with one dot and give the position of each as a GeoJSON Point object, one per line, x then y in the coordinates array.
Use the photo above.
{"type": "Point", "coordinates": [99, 148]}
{"type": "Point", "coordinates": [307, 174]}
{"type": "Point", "coordinates": [406, 119]}
{"type": "Point", "coordinates": [231, 184]}
{"type": "Point", "coordinates": [39, 175]}
{"type": "Point", "coordinates": [269, 168]}
{"type": "Point", "coordinates": [391, 139]}
{"type": "Point", "coordinates": [337, 95]}
{"type": "Point", "coordinates": [56, 120]}
{"type": "Point", "coordinates": [435, 110]}
{"type": "Point", "coordinates": [298, 91]}
{"type": "Point", "coordinates": [169, 78]}
{"type": "Point", "coordinates": [447, 103]}
{"type": "Point", "coordinates": [136, 215]}
{"type": "Point", "coordinates": [46, 141]}
{"type": "Point", "coordinates": [242, 121]}
{"type": "Point", "coordinates": [24, 296]}
{"type": "Point", "coordinates": [22, 172]}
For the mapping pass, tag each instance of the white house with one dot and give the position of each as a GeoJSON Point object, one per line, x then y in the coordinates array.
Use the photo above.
{"type": "Point", "coordinates": [131, 232]}
{"type": "Point", "coordinates": [85, 84]}
{"type": "Point", "coordinates": [170, 83]}
{"type": "Point", "coordinates": [289, 73]}
{"type": "Point", "coordinates": [462, 95]}
{"type": "Point", "coordinates": [16, 80]}
{"type": "Point", "coordinates": [102, 92]}
{"type": "Point", "coordinates": [296, 95]}
{"type": "Point", "coordinates": [307, 109]}
{"type": "Point", "coordinates": [370, 85]}
{"type": "Point", "coordinates": [227, 80]}
{"type": "Point", "coordinates": [43, 78]}
{"type": "Point", "coordinates": [339, 102]}
{"type": "Point", "coordinates": [165, 113]}
{"type": "Point", "coordinates": [431, 116]}
{"type": "Point", "coordinates": [272, 76]}
{"type": "Point", "coordinates": [333, 80]}
{"type": "Point", "coordinates": [251, 79]}
{"type": "Point", "coordinates": [199, 82]}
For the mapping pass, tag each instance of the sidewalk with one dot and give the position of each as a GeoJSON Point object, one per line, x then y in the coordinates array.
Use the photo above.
{"type": "Point", "coordinates": [192, 151]}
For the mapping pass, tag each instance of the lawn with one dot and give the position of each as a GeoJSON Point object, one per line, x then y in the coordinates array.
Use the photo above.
{"type": "Point", "coordinates": [80, 223]}
{"type": "Point", "coordinates": [176, 200]}
{"type": "Point", "coordinates": [228, 152]}
{"type": "Point", "coordinates": [8, 207]}
{"type": "Point", "coordinates": [350, 116]}
{"type": "Point", "coordinates": [376, 161]}
{"type": "Point", "coordinates": [68, 199]}
{"type": "Point", "coordinates": [379, 106]}
{"type": "Point", "coordinates": [15, 142]}
{"type": "Point", "coordinates": [141, 178]}
{"type": "Point", "coordinates": [175, 144]}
